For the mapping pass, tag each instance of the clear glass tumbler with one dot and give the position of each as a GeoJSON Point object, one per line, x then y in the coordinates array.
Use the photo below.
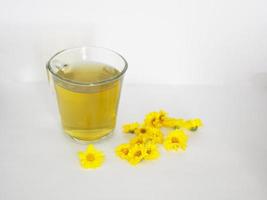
{"type": "Point", "coordinates": [88, 82]}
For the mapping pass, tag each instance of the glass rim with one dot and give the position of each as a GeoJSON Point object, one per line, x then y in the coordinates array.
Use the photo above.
{"type": "Point", "coordinates": [118, 76]}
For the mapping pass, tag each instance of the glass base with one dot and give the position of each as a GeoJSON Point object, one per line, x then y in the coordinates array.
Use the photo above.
{"type": "Point", "coordinates": [88, 140]}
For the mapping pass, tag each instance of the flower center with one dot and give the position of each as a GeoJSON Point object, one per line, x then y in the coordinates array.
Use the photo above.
{"type": "Point", "coordinates": [143, 130]}
{"type": "Point", "coordinates": [149, 151]}
{"type": "Point", "coordinates": [140, 141]}
{"type": "Point", "coordinates": [125, 151]}
{"type": "Point", "coordinates": [90, 157]}
{"type": "Point", "coordinates": [138, 153]}
{"type": "Point", "coordinates": [175, 140]}
{"type": "Point", "coordinates": [153, 121]}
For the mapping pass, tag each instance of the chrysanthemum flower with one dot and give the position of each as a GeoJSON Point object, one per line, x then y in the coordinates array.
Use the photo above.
{"type": "Point", "coordinates": [163, 116]}
{"type": "Point", "coordinates": [193, 124]}
{"type": "Point", "coordinates": [140, 139]}
{"type": "Point", "coordinates": [136, 154]}
{"type": "Point", "coordinates": [91, 158]}
{"type": "Point", "coordinates": [174, 123]}
{"type": "Point", "coordinates": [175, 140]}
{"type": "Point", "coordinates": [123, 151]}
{"type": "Point", "coordinates": [152, 120]}
{"type": "Point", "coordinates": [156, 119]}
{"type": "Point", "coordinates": [151, 151]}
{"type": "Point", "coordinates": [130, 128]}
{"type": "Point", "coordinates": [143, 130]}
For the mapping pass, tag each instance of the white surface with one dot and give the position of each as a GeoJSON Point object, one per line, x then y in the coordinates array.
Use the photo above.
{"type": "Point", "coordinates": [193, 41]}
{"type": "Point", "coordinates": [226, 159]}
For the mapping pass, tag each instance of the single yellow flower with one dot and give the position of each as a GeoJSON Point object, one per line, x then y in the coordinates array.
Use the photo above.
{"type": "Point", "coordinates": [91, 158]}
{"type": "Point", "coordinates": [175, 140]}
{"type": "Point", "coordinates": [152, 120]}
{"type": "Point", "coordinates": [193, 124]}
{"type": "Point", "coordinates": [151, 151]}
{"type": "Point", "coordinates": [123, 151]}
{"type": "Point", "coordinates": [156, 119]}
{"type": "Point", "coordinates": [130, 128]}
{"type": "Point", "coordinates": [136, 154]}
{"type": "Point", "coordinates": [163, 116]}
{"type": "Point", "coordinates": [174, 123]}
{"type": "Point", "coordinates": [143, 130]}
{"type": "Point", "coordinates": [140, 139]}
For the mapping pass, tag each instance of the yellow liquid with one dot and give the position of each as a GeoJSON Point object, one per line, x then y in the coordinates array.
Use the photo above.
{"type": "Point", "coordinates": [88, 112]}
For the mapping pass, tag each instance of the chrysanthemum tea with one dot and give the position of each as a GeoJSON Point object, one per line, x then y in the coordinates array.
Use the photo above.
{"type": "Point", "coordinates": [88, 112]}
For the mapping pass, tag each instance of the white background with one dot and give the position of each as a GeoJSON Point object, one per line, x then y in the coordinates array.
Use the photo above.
{"type": "Point", "coordinates": [196, 58]}
{"type": "Point", "coordinates": [192, 41]}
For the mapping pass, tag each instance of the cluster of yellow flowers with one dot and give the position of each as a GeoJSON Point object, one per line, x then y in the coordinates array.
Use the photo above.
{"type": "Point", "coordinates": [148, 135]}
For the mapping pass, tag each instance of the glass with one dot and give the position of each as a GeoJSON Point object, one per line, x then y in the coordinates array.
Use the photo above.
{"type": "Point", "coordinates": [88, 82]}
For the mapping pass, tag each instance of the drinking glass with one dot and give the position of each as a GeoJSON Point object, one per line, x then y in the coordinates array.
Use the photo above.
{"type": "Point", "coordinates": [88, 82]}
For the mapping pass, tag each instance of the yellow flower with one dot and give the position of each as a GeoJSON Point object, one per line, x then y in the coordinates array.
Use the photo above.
{"type": "Point", "coordinates": [156, 136]}
{"type": "Point", "coordinates": [174, 123]}
{"type": "Point", "coordinates": [175, 140]}
{"type": "Point", "coordinates": [143, 130]}
{"type": "Point", "coordinates": [140, 139]}
{"type": "Point", "coordinates": [156, 119]}
{"type": "Point", "coordinates": [123, 151]}
{"type": "Point", "coordinates": [163, 116]}
{"type": "Point", "coordinates": [152, 120]}
{"type": "Point", "coordinates": [130, 128]}
{"type": "Point", "coordinates": [193, 124]}
{"type": "Point", "coordinates": [151, 151]}
{"type": "Point", "coordinates": [91, 158]}
{"type": "Point", "coordinates": [136, 154]}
